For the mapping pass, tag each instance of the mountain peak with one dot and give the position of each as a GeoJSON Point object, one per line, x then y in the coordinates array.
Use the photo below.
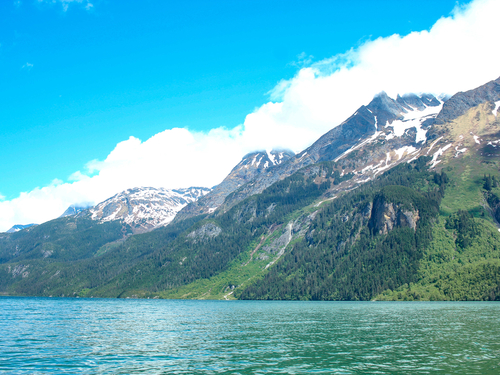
{"type": "Point", "coordinates": [251, 166]}
{"type": "Point", "coordinates": [262, 160]}
{"type": "Point", "coordinates": [75, 208]}
{"type": "Point", "coordinates": [146, 208]}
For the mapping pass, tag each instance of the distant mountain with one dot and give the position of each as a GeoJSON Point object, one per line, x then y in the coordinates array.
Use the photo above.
{"type": "Point", "coordinates": [145, 209]}
{"type": "Point", "coordinates": [18, 227]}
{"type": "Point", "coordinates": [252, 165]}
{"type": "Point", "coordinates": [74, 209]}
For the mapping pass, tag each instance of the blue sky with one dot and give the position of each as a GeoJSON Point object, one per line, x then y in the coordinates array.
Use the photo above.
{"type": "Point", "coordinates": [101, 95]}
{"type": "Point", "coordinates": [77, 81]}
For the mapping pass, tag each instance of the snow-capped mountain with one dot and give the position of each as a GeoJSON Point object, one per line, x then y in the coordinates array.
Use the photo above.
{"type": "Point", "coordinates": [385, 129]}
{"type": "Point", "coordinates": [398, 126]}
{"type": "Point", "coordinates": [434, 130]}
{"type": "Point", "coordinates": [252, 165]}
{"type": "Point", "coordinates": [393, 123]}
{"type": "Point", "coordinates": [145, 209]}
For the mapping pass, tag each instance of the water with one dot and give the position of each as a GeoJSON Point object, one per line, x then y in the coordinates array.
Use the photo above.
{"type": "Point", "coordinates": [112, 336]}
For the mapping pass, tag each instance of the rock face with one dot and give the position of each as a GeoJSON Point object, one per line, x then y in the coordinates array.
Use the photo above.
{"type": "Point", "coordinates": [19, 270]}
{"type": "Point", "coordinates": [386, 216]}
{"type": "Point", "coordinates": [378, 116]}
{"type": "Point", "coordinates": [209, 230]}
{"type": "Point", "coordinates": [251, 166]}
{"type": "Point", "coordinates": [468, 123]}
{"type": "Point", "coordinates": [145, 209]}
{"type": "Point", "coordinates": [461, 102]}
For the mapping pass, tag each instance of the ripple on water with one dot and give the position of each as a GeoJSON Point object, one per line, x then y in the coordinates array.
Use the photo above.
{"type": "Point", "coordinates": [45, 335]}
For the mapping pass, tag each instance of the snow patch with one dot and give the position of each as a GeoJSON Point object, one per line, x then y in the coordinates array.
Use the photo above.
{"type": "Point", "coordinates": [437, 154]}
{"type": "Point", "coordinates": [414, 119]}
{"type": "Point", "coordinates": [405, 149]}
{"type": "Point", "coordinates": [432, 145]}
{"type": "Point", "coordinates": [271, 157]}
{"type": "Point", "coordinates": [389, 136]}
{"type": "Point", "coordinates": [494, 143]}
{"type": "Point", "coordinates": [497, 105]}
{"type": "Point", "coordinates": [363, 181]}
{"type": "Point", "coordinates": [459, 151]}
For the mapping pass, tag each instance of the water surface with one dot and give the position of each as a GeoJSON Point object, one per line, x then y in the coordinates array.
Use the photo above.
{"type": "Point", "coordinates": [114, 336]}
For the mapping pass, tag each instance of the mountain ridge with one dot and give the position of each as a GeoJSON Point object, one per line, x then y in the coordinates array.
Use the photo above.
{"type": "Point", "coordinates": [146, 208]}
{"type": "Point", "coordinates": [352, 217]}
{"type": "Point", "coordinates": [251, 165]}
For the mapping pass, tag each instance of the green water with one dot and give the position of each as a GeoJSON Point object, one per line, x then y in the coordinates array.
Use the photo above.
{"type": "Point", "coordinates": [106, 336]}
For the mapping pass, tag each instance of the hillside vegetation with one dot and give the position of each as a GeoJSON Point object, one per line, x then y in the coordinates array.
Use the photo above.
{"type": "Point", "coordinates": [381, 223]}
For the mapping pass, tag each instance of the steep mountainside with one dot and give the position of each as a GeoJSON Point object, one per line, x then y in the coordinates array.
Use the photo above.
{"type": "Point", "coordinates": [361, 247]}
{"type": "Point", "coordinates": [463, 101]}
{"type": "Point", "coordinates": [395, 204]}
{"type": "Point", "coordinates": [145, 209]}
{"type": "Point", "coordinates": [252, 165]}
{"type": "Point", "coordinates": [378, 134]}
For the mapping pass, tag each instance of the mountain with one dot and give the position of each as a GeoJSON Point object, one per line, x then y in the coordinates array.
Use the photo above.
{"type": "Point", "coordinates": [74, 209]}
{"type": "Point", "coordinates": [252, 165]}
{"type": "Point", "coordinates": [18, 227]}
{"type": "Point", "coordinates": [399, 202]}
{"type": "Point", "coordinates": [378, 134]}
{"type": "Point", "coordinates": [145, 209]}
{"type": "Point", "coordinates": [420, 231]}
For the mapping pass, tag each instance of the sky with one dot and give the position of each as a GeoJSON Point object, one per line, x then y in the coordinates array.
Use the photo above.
{"type": "Point", "coordinates": [98, 96]}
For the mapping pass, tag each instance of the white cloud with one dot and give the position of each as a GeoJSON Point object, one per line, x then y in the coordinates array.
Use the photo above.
{"type": "Point", "coordinates": [303, 59]}
{"type": "Point", "coordinates": [458, 53]}
{"type": "Point", "coordinates": [65, 3]}
{"type": "Point", "coordinates": [27, 66]}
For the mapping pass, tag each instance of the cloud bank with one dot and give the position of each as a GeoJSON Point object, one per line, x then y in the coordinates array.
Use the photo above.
{"type": "Point", "coordinates": [458, 53]}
